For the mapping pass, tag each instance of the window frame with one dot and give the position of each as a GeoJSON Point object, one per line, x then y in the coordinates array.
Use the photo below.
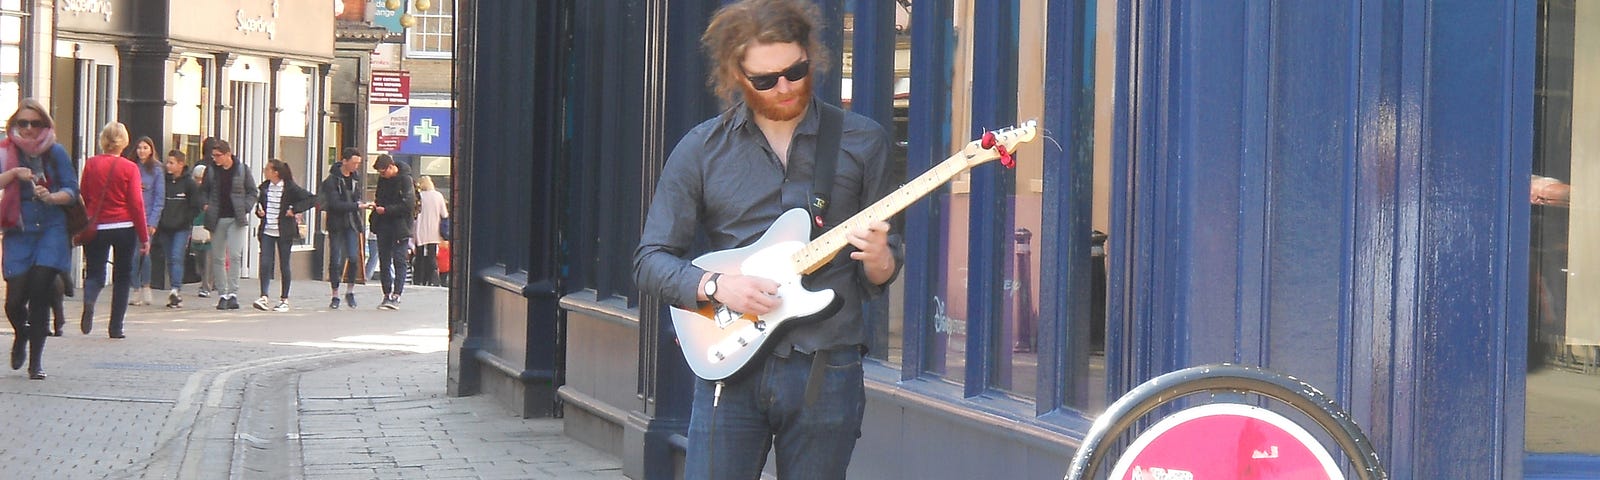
{"type": "Point", "coordinates": [24, 15]}
{"type": "Point", "coordinates": [439, 18]}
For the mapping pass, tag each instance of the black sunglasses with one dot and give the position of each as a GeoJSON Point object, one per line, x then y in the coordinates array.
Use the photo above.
{"type": "Point", "coordinates": [30, 124]}
{"type": "Point", "coordinates": [794, 73]}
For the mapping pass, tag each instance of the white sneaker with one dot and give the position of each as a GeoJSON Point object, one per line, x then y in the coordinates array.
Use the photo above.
{"type": "Point", "coordinates": [283, 306]}
{"type": "Point", "coordinates": [261, 304]}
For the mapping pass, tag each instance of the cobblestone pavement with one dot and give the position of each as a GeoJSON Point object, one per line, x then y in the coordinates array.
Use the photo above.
{"type": "Point", "coordinates": [313, 393]}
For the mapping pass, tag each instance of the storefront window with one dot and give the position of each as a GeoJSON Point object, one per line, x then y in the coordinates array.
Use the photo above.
{"type": "Point", "coordinates": [1563, 389]}
{"type": "Point", "coordinates": [295, 94]}
{"type": "Point", "coordinates": [1024, 241]}
{"type": "Point", "coordinates": [11, 48]}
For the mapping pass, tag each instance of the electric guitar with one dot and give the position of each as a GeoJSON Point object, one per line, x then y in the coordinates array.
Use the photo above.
{"type": "Point", "coordinates": [719, 343]}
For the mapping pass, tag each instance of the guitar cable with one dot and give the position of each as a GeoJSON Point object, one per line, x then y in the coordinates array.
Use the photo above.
{"type": "Point", "coordinates": [711, 436]}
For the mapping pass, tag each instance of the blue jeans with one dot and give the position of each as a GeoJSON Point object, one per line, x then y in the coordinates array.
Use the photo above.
{"type": "Point", "coordinates": [344, 261]}
{"type": "Point", "coordinates": [766, 407]}
{"type": "Point", "coordinates": [141, 269]}
{"type": "Point", "coordinates": [120, 244]}
{"type": "Point", "coordinates": [177, 245]}
{"type": "Point", "coordinates": [275, 250]}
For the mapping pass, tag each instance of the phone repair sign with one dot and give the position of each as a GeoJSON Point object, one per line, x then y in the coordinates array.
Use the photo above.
{"type": "Point", "coordinates": [1226, 441]}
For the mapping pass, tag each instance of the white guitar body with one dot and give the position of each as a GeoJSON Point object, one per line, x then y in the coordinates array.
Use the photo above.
{"type": "Point", "coordinates": [719, 345]}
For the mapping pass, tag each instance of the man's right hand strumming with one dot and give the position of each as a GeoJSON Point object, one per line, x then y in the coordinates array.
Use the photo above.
{"type": "Point", "coordinates": [743, 293]}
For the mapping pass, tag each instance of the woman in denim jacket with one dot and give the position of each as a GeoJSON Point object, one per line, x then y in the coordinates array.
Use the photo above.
{"type": "Point", "coordinates": [37, 179]}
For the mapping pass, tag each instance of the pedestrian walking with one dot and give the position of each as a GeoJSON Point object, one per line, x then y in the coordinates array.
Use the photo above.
{"type": "Point", "coordinates": [152, 177]}
{"type": "Point", "coordinates": [230, 192]}
{"type": "Point", "coordinates": [280, 204]}
{"type": "Point", "coordinates": [115, 201]}
{"type": "Point", "coordinates": [430, 231]}
{"type": "Point", "coordinates": [393, 211]}
{"type": "Point", "coordinates": [176, 224]}
{"type": "Point", "coordinates": [340, 199]}
{"type": "Point", "coordinates": [37, 177]}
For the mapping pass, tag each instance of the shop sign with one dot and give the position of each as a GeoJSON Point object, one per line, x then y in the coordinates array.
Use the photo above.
{"type": "Point", "coordinates": [428, 132]}
{"type": "Point", "coordinates": [258, 23]}
{"type": "Point", "coordinates": [75, 7]}
{"type": "Point", "coordinates": [307, 26]}
{"type": "Point", "coordinates": [390, 87]}
{"type": "Point", "coordinates": [1226, 440]}
{"type": "Point", "coordinates": [389, 19]}
{"type": "Point", "coordinates": [386, 56]}
{"type": "Point", "coordinates": [96, 16]}
{"type": "Point", "coordinates": [394, 129]}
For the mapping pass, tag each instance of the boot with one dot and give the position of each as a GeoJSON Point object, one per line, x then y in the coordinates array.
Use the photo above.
{"type": "Point", "coordinates": [36, 357]}
{"type": "Point", "coordinates": [87, 323]}
{"type": "Point", "coordinates": [19, 350]}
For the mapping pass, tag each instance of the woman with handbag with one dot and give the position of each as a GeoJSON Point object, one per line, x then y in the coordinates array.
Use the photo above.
{"type": "Point", "coordinates": [433, 223]}
{"type": "Point", "coordinates": [37, 180]}
{"type": "Point", "coordinates": [278, 205]}
{"type": "Point", "coordinates": [115, 201]}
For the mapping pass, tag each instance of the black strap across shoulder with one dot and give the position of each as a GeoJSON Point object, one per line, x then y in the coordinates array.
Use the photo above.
{"type": "Point", "coordinates": [828, 133]}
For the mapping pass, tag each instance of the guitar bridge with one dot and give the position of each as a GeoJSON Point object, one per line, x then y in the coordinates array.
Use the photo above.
{"type": "Point", "coordinates": [725, 317]}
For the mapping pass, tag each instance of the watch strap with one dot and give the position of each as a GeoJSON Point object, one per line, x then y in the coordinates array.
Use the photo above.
{"type": "Point", "coordinates": [711, 293]}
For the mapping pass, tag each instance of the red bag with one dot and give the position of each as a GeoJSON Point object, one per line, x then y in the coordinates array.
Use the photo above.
{"type": "Point", "coordinates": [444, 257]}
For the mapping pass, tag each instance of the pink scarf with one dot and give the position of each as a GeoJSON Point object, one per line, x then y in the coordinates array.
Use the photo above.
{"type": "Point", "coordinates": [11, 197]}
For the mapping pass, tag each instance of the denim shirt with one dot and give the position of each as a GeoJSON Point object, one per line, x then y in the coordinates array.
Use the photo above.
{"type": "Point", "coordinates": [41, 238]}
{"type": "Point", "coordinates": [723, 180]}
{"type": "Point", "coordinates": [153, 179]}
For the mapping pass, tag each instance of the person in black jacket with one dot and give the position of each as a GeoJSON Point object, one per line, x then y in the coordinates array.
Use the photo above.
{"type": "Point", "coordinates": [340, 199]}
{"type": "Point", "coordinates": [391, 218]}
{"type": "Point", "coordinates": [176, 222]}
{"type": "Point", "coordinates": [280, 203]}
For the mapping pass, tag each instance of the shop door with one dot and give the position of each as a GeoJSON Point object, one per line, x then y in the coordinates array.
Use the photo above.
{"type": "Point", "coordinates": [249, 140]}
{"type": "Point", "coordinates": [84, 102]}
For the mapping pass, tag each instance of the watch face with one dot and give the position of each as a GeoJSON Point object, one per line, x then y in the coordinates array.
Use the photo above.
{"type": "Point", "coordinates": [711, 287]}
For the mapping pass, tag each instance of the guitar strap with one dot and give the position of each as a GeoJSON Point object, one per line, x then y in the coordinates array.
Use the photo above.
{"type": "Point", "coordinates": [828, 133]}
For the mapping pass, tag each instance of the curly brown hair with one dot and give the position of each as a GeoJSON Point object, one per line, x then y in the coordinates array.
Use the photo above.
{"type": "Point", "coordinates": [738, 25]}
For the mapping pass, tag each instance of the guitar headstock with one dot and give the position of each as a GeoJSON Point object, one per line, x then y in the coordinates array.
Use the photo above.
{"type": "Point", "coordinates": [1000, 144]}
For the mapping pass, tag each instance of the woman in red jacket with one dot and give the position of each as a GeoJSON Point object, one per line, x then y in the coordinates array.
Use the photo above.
{"type": "Point", "coordinates": [113, 196]}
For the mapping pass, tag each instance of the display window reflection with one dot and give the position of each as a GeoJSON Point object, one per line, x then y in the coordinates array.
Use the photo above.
{"type": "Point", "coordinates": [1563, 382]}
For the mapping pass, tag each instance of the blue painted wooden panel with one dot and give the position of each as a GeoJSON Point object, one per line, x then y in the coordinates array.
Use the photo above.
{"type": "Point", "coordinates": [1332, 190]}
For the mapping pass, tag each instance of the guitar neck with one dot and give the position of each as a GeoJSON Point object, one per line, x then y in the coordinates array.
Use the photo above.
{"type": "Point", "coordinates": [819, 251]}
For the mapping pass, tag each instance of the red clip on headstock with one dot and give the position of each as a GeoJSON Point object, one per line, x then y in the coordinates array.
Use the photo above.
{"type": "Point", "coordinates": [1005, 155]}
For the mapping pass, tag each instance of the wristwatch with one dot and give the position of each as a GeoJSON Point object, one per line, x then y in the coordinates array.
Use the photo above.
{"type": "Point", "coordinates": [711, 287]}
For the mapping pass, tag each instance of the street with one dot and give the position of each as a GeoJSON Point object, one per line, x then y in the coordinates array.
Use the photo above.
{"type": "Point", "coordinates": [197, 393]}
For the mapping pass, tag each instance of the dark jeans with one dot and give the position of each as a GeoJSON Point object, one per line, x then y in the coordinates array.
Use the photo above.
{"type": "Point", "coordinates": [344, 257]}
{"type": "Point", "coordinates": [392, 263]}
{"type": "Point", "coordinates": [767, 404]}
{"type": "Point", "coordinates": [29, 300]}
{"type": "Point", "coordinates": [275, 250]}
{"type": "Point", "coordinates": [425, 265]}
{"type": "Point", "coordinates": [120, 244]}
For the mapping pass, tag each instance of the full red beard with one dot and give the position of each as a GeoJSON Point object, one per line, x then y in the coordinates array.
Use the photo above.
{"type": "Point", "coordinates": [770, 107]}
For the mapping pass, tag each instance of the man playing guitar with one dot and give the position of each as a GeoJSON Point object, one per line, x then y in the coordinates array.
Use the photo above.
{"type": "Point", "coordinates": [730, 178]}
